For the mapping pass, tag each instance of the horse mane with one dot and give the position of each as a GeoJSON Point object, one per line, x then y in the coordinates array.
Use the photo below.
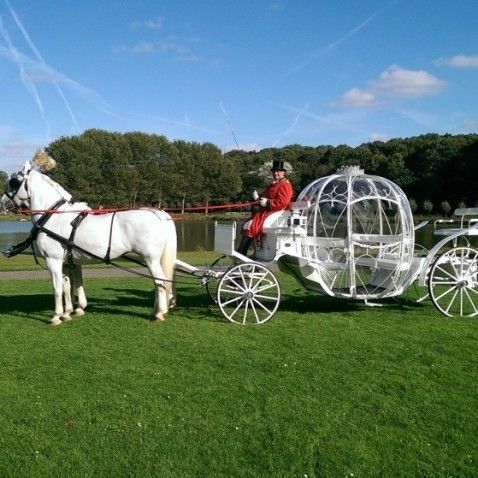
{"type": "Point", "coordinates": [59, 189]}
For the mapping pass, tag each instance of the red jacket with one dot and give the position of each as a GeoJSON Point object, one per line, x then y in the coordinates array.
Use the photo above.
{"type": "Point", "coordinates": [279, 195]}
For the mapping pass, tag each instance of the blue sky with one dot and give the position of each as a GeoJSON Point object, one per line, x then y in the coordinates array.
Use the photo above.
{"type": "Point", "coordinates": [252, 74]}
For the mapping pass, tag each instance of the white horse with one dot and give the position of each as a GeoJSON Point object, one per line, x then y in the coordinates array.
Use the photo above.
{"type": "Point", "coordinates": [67, 234]}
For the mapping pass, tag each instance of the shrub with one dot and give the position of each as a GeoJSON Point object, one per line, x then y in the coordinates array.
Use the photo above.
{"type": "Point", "coordinates": [446, 208]}
{"type": "Point", "coordinates": [427, 206]}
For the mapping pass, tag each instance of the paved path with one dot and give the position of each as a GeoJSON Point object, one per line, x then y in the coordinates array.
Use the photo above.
{"type": "Point", "coordinates": [43, 274]}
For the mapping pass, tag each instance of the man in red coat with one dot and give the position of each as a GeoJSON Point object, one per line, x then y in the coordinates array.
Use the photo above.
{"type": "Point", "coordinates": [276, 197]}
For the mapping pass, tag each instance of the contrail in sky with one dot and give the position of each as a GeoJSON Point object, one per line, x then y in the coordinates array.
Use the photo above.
{"type": "Point", "coordinates": [26, 80]}
{"type": "Point", "coordinates": [228, 123]}
{"type": "Point", "coordinates": [293, 125]}
{"type": "Point", "coordinates": [328, 120]}
{"type": "Point", "coordinates": [321, 51]}
{"type": "Point", "coordinates": [187, 123]}
{"type": "Point", "coordinates": [41, 60]}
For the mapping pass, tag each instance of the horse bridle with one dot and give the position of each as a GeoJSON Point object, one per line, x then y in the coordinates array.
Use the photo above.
{"type": "Point", "coordinates": [15, 183]}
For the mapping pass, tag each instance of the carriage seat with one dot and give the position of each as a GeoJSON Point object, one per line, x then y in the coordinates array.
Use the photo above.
{"type": "Point", "coordinates": [288, 220]}
{"type": "Point", "coordinates": [466, 217]}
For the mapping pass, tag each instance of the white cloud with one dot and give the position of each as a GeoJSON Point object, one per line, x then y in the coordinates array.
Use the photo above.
{"type": "Point", "coordinates": [358, 98]}
{"type": "Point", "coordinates": [470, 125]}
{"type": "Point", "coordinates": [401, 83]}
{"type": "Point", "coordinates": [459, 61]}
{"type": "Point", "coordinates": [174, 47]}
{"type": "Point", "coordinates": [379, 137]}
{"type": "Point", "coordinates": [15, 152]}
{"type": "Point", "coordinates": [394, 82]}
{"type": "Point", "coordinates": [154, 24]}
{"type": "Point", "coordinates": [143, 47]}
{"type": "Point", "coordinates": [244, 147]}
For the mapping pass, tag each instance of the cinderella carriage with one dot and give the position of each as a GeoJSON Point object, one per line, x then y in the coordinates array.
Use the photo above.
{"type": "Point", "coordinates": [349, 235]}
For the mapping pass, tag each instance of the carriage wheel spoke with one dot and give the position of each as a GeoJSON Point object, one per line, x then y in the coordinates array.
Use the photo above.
{"type": "Point", "coordinates": [237, 284]}
{"type": "Point", "coordinates": [235, 299]}
{"type": "Point", "coordinates": [232, 291]}
{"type": "Point", "coordinates": [232, 314]}
{"type": "Point", "coordinates": [446, 292]}
{"type": "Point", "coordinates": [448, 273]}
{"type": "Point", "coordinates": [446, 310]}
{"type": "Point", "coordinates": [467, 289]}
{"type": "Point", "coordinates": [256, 314]}
{"type": "Point", "coordinates": [260, 304]}
{"type": "Point", "coordinates": [244, 319]}
{"type": "Point", "coordinates": [264, 297]}
{"type": "Point", "coordinates": [263, 288]}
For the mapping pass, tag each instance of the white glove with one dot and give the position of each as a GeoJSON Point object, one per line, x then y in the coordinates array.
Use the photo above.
{"type": "Point", "coordinates": [255, 195]}
{"type": "Point", "coordinates": [263, 202]}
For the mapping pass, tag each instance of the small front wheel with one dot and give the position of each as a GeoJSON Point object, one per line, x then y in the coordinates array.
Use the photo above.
{"type": "Point", "coordinates": [248, 293]}
{"type": "Point", "coordinates": [453, 282]}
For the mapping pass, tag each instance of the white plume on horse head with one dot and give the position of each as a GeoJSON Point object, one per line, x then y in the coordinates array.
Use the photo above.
{"type": "Point", "coordinates": [43, 161]}
{"type": "Point", "coordinates": [27, 167]}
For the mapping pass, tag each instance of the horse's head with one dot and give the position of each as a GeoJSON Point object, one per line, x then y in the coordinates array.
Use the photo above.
{"type": "Point", "coordinates": [30, 188]}
{"type": "Point", "coordinates": [16, 194]}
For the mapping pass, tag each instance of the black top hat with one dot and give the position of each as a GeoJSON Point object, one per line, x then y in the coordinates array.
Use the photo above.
{"type": "Point", "coordinates": [277, 165]}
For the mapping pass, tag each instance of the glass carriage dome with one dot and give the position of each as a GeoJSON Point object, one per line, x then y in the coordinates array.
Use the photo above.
{"type": "Point", "coordinates": [360, 236]}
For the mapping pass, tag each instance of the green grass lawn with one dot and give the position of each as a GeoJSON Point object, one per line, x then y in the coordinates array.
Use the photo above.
{"type": "Point", "coordinates": [328, 387]}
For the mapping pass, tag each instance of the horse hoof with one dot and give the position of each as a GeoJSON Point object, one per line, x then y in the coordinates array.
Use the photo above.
{"type": "Point", "coordinates": [157, 318]}
{"type": "Point", "coordinates": [65, 318]}
{"type": "Point", "coordinates": [172, 303]}
{"type": "Point", "coordinates": [79, 312]}
{"type": "Point", "coordinates": [55, 321]}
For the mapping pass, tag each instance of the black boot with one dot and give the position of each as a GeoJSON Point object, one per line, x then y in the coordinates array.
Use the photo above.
{"type": "Point", "coordinates": [244, 245]}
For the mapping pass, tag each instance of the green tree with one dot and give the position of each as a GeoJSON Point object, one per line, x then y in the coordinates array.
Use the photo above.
{"type": "Point", "coordinates": [427, 206]}
{"type": "Point", "coordinates": [3, 179]}
{"type": "Point", "coordinates": [445, 207]}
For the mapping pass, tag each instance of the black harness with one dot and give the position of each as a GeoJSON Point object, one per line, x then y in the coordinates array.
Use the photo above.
{"type": "Point", "coordinates": [36, 229]}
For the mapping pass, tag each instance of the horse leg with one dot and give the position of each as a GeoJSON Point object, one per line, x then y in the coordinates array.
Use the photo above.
{"type": "Point", "coordinates": [67, 297]}
{"type": "Point", "coordinates": [55, 268]}
{"type": "Point", "coordinates": [77, 276]}
{"type": "Point", "coordinates": [168, 260]}
{"type": "Point", "coordinates": [160, 297]}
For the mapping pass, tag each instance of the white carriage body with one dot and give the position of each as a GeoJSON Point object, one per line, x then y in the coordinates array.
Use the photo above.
{"type": "Point", "coordinates": [352, 235]}
{"type": "Point", "coordinates": [348, 235]}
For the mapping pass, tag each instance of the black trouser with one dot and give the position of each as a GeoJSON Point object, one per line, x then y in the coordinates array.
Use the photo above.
{"type": "Point", "coordinates": [244, 245]}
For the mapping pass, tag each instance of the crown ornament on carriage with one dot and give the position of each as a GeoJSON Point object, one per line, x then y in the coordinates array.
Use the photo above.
{"type": "Point", "coordinates": [43, 161]}
{"type": "Point", "coordinates": [351, 170]}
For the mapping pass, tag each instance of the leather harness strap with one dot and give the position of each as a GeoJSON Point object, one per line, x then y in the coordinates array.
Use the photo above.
{"type": "Point", "coordinates": [38, 226]}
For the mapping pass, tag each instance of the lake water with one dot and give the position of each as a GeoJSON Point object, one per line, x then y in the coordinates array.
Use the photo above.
{"type": "Point", "coordinates": [192, 235]}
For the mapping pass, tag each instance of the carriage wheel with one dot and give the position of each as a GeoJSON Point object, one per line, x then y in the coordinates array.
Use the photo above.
{"type": "Point", "coordinates": [453, 282]}
{"type": "Point", "coordinates": [248, 293]}
{"type": "Point", "coordinates": [220, 265]}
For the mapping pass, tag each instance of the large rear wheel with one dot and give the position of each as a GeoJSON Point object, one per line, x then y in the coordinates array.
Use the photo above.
{"type": "Point", "coordinates": [453, 282]}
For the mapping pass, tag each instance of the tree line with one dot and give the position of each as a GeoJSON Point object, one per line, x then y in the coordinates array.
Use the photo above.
{"type": "Point", "coordinates": [124, 169]}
